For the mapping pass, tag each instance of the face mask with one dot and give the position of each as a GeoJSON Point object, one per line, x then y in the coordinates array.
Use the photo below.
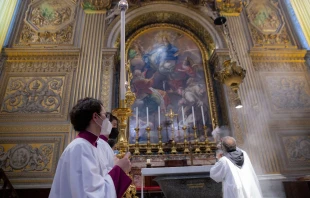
{"type": "Point", "coordinates": [114, 133]}
{"type": "Point", "coordinates": [106, 127]}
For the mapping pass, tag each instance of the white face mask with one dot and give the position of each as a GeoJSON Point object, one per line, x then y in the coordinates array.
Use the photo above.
{"type": "Point", "coordinates": [106, 127]}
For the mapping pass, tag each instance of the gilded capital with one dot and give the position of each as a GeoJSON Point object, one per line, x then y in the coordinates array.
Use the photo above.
{"type": "Point", "coordinates": [96, 6]}
{"type": "Point", "coordinates": [229, 7]}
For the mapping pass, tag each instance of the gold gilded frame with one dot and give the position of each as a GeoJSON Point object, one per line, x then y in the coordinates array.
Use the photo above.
{"type": "Point", "coordinates": [205, 58]}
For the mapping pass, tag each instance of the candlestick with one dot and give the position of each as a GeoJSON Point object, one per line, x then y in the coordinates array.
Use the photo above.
{"type": "Point", "coordinates": [148, 145]}
{"type": "Point", "coordinates": [147, 116]}
{"type": "Point", "coordinates": [137, 117]}
{"type": "Point", "coordinates": [137, 152]}
{"type": "Point", "coordinates": [123, 7]}
{"type": "Point", "coordinates": [158, 115]}
{"type": "Point", "coordinates": [186, 150]}
{"type": "Point", "coordinates": [148, 161]}
{"type": "Point", "coordinates": [193, 116]}
{"type": "Point", "coordinates": [183, 116]}
{"type": "Point", "coordinates": [203, 116]}
{"type": "Point", "coordinates": [160, 149]}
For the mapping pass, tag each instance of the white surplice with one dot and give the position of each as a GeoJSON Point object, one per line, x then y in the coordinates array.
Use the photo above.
{"type": "Point", "coordinates": [106, 154]}
{"type": "Point", "coordinates": [81, 173]}
{"type": "Point", "coordinates": [237, 182]}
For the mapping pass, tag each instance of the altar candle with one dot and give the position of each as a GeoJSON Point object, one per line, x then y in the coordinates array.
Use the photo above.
{"type": "Point", "coordinates": [137, 117]}
{"type": "Point", "coordinates": [193, 116]}
{"type": "Point", "coordinates": [203, 116]}
{"type": "Point", "coordinates": [148, 161]}
{"type": "Point", "coordinates": [158, 115]}
{"type": "Point", "coordinates": [183, 116]}
{"type": "Point", "coordinates": [147, 116]}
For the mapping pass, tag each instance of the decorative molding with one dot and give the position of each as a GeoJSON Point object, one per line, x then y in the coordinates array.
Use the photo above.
{"type": "Point", "coordinates": [108, 64]}
{"type": "Point", "coordinates": [162, 17]}
{"type": "Point", "coordinates": [288, 93]}
{"type": "Point", "coordinates": [25, 155]}
{"type": "Point", "coordinates": [279, 67]}
{"type": "Point", "coordinates": [26, 158]}
{"type": "Point", "coordinates": [42, 54]}
{"type": "Point", "coordinates": [294, 148]}
{"type": "Point", "coordinates": [35, 128]}
{"type": "Point", "coordinates": [40, 66]}
{"type": "Point", "coordinates": [50, 15]}
{"type": "Point", "coordinates": [297, 56]}
{"type": "Point", "coordinates": [25, 94]}
{"type": "Point", "coordinates": [267, 25]}
{"type": "Point", "coordinates": [48, 22]}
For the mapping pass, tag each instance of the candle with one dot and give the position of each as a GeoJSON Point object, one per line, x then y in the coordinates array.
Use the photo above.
{"type": "Point", "coordinates": [148, 161]}
{"type": "Point", "coordinates": [122, 53]}
{"type": "Point", "coordinates": [137, 117]}
{"type": "Point", "coordinates": [203, 117]}
{"type": "Point", "coordinates": [183, 116]}
{"type": "Point", "coordinates": [147, 116]}
{"type": "Point", "coordinates": [158, 115]}
{"type": "Point", "coordinates": [193, 116]}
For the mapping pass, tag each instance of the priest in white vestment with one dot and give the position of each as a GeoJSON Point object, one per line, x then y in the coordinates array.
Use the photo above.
{"type": "Point", "coordinates": [235, 171]}
{"type": "Point", "coordinates": [81, 171]}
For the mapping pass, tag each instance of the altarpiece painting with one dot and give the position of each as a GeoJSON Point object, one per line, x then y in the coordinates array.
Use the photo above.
{"type": "Point", "coordinates": [169, 72]}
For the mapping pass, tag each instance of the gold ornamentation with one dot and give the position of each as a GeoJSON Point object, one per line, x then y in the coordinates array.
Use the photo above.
{"type": "Point", "coordinates": [67, 66]}
{"type": "Point", "coordinates": [35, 128]}
{"type": "Point", "coordinates": [93, 6]}
{"type": "Point", "coordinates": [33, 95]}
{"type": "Point", "coordinates": [277, 40]}
{"type": "Point", "coordinates": [29, 36]}
{"type": "Point", "coordinates": [50, 15]}
{"type": "Point", "coordinates": [217, 59]}
{"type": "Point", "coordinates": [35, 154]}
{"type": "Point", "coordinates": [267, 25]}
{"type": "Point", "coordinates": [162, 18]}
{"type": "Point", "coordinates": [231, 75]}
{"type": "Point", "coordinates": [265, 17]}
{"type": "Point", "coordinates": [280, 56]}
{"type": "Point", "coordinates": [229, 7]}
{"type": "Point", "coordinates": [107, 71]}
{"type": "Point", "coordinates": [25, 93]}
{"type": "Point", "coordinates": [27, 158]}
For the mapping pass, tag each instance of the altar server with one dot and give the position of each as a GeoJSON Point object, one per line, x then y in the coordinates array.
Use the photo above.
{"type": "Point", "coordinates": [235, 171]}
{"type": "Point", "coordinates": [81, 172]}
{"type": "Point", "coordinates": [106, 152]}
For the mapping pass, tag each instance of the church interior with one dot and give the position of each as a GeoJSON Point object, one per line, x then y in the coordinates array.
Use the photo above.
{"type": "Point", "coordinates": [178, 75]}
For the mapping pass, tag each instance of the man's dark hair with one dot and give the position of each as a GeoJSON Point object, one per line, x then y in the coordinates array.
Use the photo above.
{"type": "Point", "coordinates": [229, 144]}
{"type": "Point", "coordinates": [82, 113]}
{"type": "Point", "coordinates": [112, 117]}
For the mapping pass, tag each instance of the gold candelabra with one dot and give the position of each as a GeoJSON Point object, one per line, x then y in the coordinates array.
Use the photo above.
{"type": "Point", "coordinates": [208, 150]}
{"type": "Point", "coordinates": [171, 115]}
{"type": "Point", "coordinates": [137, 152]}
{"type": "Point", "coordinates": [186, 150]}
{"type": "Point", "coordinates": [197, 150]}
{"type": "Point", "coordinates": [148, 146]}
{"type": "Point", "coordinates": [160, 146]}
